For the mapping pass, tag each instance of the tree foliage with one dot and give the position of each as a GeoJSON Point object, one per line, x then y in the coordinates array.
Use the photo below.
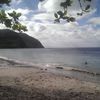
{"type": "Point", "coordinates": [11, 20]}
{"type": "Point", "coordinates": [7, 2]}
{"type": "Point", "coordinates": [84, 5]}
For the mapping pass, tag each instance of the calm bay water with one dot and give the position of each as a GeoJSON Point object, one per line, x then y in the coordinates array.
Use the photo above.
{"type": "Point", "coordinates": [63, 57]}
{"type": "Point", "coordinates": [75, 57]}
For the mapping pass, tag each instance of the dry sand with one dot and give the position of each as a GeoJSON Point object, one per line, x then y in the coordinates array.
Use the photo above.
{"type": "Point", "coordinates": [18, 83]}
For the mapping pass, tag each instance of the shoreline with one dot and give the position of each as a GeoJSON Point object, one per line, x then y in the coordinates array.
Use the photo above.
{"type": "Point", "coordinates": [73, 72]}
{"type": "Point", "coordinates": [18, 82]}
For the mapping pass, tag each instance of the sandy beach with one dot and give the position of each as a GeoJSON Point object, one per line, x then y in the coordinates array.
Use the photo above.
{"type": "Point", "coordinates": [35, 83]}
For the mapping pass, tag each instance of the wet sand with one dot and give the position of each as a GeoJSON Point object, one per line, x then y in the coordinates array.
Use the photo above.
{"type": "Point", "coordinates": [35, 83]}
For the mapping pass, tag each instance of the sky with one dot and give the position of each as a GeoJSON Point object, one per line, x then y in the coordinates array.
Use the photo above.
{"type": "Point", "coordinates": [39, 19]}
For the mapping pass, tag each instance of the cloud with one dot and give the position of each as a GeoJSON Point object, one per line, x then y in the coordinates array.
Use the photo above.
{"type": "Point", "coordinates": [94, 21]}
{"type": "Point", "coordinates": [2, 26]}
{"type": "Point", "coordinates": [65, 35]}
{"type": "Point", "coordinates": [50, 5]}
{"type": "Point", "coordinates": [46, 10]}
{"type": "Point", "coordinates": [25, 12]}
{"type": "Point", "coordinates": [16, 2]}
{"type": "Point", "coordinates": [20, 10]}
{"type": "Point", "coordinates": [44, 16]}
{"type": "Point", "coordinates": [40, 24]}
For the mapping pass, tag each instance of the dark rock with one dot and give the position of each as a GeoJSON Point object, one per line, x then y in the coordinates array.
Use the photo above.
{"type": "Point", "coordinates": [59, 67]}
{"type": "Point", "coordinates": [11, 39]}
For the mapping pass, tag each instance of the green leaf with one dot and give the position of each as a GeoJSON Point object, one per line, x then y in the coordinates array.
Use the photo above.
{"type": "Point", "coordinates": [15, 27]}
{"type": "Point", "coordinates": [19, 27]}
{"type": "Point", "coordinates": [87, 7]}
{"type": "Point", "coordinates": [55, 14]}
{"type": "Point", "coordinates": [7, 2]}
{"type": "Point", "coordinates": [24, 28]}
{"type": "Point", "coordinates": [65, 12]}
{"type": "Point", "coordinates": [18, 15]}
{"type": "Point", "coordinates": [60, 13]}
{"type": "Point", "coordinates": [2, 13]}
{"type": "Point", "coordinates": [8, 23]}
{"type": "Point", "coordinates": [63, 4]}
{"type": "Point", "coordinates": [3, 16]}
{"type": "Point", "coordinates": [89, 0]}
{"type": "Point", "coordinates": [79, 14]}
{"type": "Point", "coordinates": [72, 19]}
{"type": "Point", "coordinates": [15, 16]}
{"type": "Point", "coordinates": [65, 17]}
{"type": "Point", "coordinates": [57, 20]}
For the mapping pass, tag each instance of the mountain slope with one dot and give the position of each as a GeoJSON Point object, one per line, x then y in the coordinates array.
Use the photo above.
{"type": "Point", "coordinates": [11, 39]}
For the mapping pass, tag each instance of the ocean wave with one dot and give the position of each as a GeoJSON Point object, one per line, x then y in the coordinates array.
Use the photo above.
{"type": "Point", "coordinates": [6, 61]}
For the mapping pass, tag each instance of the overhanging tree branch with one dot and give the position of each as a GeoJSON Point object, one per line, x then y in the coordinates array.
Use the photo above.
{"type": "Point", "coordinates": [11, 20]}
{"type": "Point", "coordinates": [64, 14]}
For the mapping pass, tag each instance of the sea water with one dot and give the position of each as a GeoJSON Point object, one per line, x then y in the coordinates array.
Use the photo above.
{"type": "Point", "coordinates": [84, 58]}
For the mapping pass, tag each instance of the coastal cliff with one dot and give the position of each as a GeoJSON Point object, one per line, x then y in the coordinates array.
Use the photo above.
{"type": "Point", "coordinates": [11, 39]}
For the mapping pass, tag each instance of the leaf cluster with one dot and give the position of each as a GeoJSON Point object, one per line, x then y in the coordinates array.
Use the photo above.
{"type": "Point", "coordinates": [11, 20]}
{"type": "Point", "coordinates": [65, 5]}
{"type": "Point", "coordinates": [63, 15]}
{"type": "Point", "coordinates": [7, 2]}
